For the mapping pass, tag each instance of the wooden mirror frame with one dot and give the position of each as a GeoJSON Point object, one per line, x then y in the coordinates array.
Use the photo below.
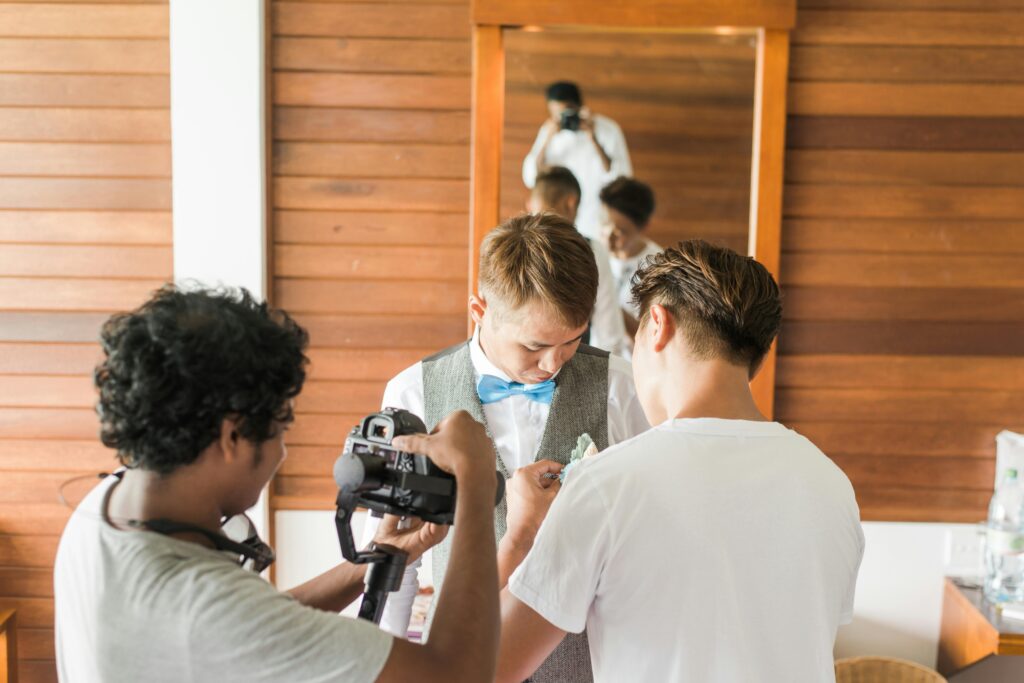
{"type": "Point", "coordinates": [772, 20]}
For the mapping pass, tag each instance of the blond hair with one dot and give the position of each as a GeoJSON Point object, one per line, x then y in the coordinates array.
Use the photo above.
{"type": "Point", "coordinates": [727, 305]}
{"type": "Point", "coordinates": [540, 257]}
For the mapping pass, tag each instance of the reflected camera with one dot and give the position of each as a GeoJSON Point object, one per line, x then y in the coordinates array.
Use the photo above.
{"type": "Point", "coordinates": [570, 119]}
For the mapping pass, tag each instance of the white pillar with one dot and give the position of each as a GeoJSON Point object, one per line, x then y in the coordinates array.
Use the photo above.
{"type": "Point", "coordinates": [218, 149]}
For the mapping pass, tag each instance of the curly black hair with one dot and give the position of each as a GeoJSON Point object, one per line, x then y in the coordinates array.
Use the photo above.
{"type": "Point", "coordinates": [184, 361]}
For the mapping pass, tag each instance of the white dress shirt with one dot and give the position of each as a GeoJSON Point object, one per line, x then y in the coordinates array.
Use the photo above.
{"type": "Point", "coordinates": [607, 330]}
{"type": "Point", "coordinates": [623, 270]}
{"type": "Point", "coordinates": [517, 426]}
{"type": "Point", "coordinates": [575, 151]}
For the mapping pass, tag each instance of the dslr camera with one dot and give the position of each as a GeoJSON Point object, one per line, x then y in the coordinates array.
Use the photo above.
{"type": "Point", "coordinates": [389, 481]}
{"type": "Point", "coordinates": [570, 120]}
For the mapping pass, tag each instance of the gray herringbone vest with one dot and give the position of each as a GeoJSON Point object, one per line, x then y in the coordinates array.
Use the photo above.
{"type": "Point", "coordinates": [579, 405]}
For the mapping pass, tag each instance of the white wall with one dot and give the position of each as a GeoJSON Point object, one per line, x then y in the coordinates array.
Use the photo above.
{"type": "Point", "coordinates": [899, 588]}
{"type": "Point", "coordinates": [218, 150]}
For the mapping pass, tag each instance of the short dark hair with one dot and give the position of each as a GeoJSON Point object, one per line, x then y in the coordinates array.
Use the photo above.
{"type": "Point", "coordinates": [727, 305]}
{"type": "Point", "coordinates": [540, 257]}
{"type": "Point", "coordinates": [630, 197]}
{"type": "Point", "coordinates": [564, 91]}
{"type": "Point", "coordinates": [180, 364]}
{"type": "Point", "coordinates": [556, 183]}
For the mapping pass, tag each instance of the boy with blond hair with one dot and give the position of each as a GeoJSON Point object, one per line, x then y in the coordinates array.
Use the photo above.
{"type": "Point", "coordinates": [527, 377]}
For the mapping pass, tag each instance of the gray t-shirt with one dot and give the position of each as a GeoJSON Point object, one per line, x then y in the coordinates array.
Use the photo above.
{"type": "Point", "coordinates": [140, 606]}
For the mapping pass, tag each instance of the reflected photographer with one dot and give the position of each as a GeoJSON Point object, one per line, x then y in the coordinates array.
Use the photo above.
{"type": "Point", "coordinates": [196, 393]}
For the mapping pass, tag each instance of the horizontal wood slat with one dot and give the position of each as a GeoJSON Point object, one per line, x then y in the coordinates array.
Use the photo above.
{"type": "Point", "coordinates": [86, 227]}
{"type": "Point", "coordinates": [85, 193]}
{"type": "Point", "coordinates": [67, 55]}
{"type": "Point", "coordinates": [35, 158]}
{"type": "Point", "coordinates": [85, 125]}
{"type": "Point", "coordinates": [48, 359]}
{"type": "Point", "coordinates": [344, 20]}
{"type": "Point", "coordinates": [983, 29]}
{"type": "Point", "coordinates": [901, 372]}
{"type": "Point", "coordinates": [999, 134]}
{"type": "Point", "coordinates": [895, 235]}
{"type": "Point", "coordinates": [28, 391]}
{"type": "Point", "coordinates": [352, 296]}
{"type": "Point", "coordinates": [430, 330]}
{"type": "Point", "coordinates": [369, 263]}
{"type": "Point", "coordinates": [368, 227]}
{"type": "Point", "coordinates": [904, 270]}
{"type": "Point", "coordinates": [369, 55]}
{"type": "Point", "coordinates": [371, 90]}
{"type": "Point", "coordinates": [362, 194]}
{"type": "Point", "coordinates": [98, 20]}
{"type": "Point", "coordinates": [883, 201]}
{"type": "Point", "coordinates": [959, 406]}
{"type": "Point", "coordinates": [382, 161]}
{"type": "Point", "coordinates": [939, 64]}
{"type": "Point", "coordinates": [58, 90]}
{"type": "Point", "coordinates": [904, 168]}
{"type": "Point", "coordinates": [107, 262]}
{"type": "Point", "coordinates": [48, 423]}
{"type": "Point", "coordinates": [906, 304]}
{"type": "Point", "coordinates": [51, 294]}
{"type": "Point", "coordinates": [369, 125]}
{"type": "Point", "coordinates": [906, 99]}
{"type": "Point", "coordinates": [889, 337]}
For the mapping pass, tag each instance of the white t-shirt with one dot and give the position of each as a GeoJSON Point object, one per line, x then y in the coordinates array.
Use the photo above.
{"type": "Point", "coordinates": [623, 271]}
{"type": "Point", "coordinates": [517, 427]}
{"type": "Point", "coordinates": [607, 331]}
{"type": "Point", "coordinates": [140, 606]}
{"type": "Point", "coordinates": [704, 550]}
{"type": "Point", "coordinates": [575, 151]}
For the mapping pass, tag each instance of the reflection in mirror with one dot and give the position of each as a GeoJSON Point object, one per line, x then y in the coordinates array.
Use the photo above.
{"type": "Point", "coordinates": [683, 102]}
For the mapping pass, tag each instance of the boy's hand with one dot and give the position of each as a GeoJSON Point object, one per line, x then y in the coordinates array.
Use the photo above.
{"type": "Point", "coordinates": [458, 445]}
{"type": "Point", "coordinates": [530, 493]}
{"type": "Point", "coordinates": [415, 536]}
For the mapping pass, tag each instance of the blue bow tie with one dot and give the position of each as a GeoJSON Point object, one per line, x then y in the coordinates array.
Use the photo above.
{"type": "Point", "coordinates": [491, 389]}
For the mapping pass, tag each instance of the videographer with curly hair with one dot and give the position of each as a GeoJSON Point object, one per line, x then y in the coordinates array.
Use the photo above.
{"type": "Point", "coordinates": [196, 393]}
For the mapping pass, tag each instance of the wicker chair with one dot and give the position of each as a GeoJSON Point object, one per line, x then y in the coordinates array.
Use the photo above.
{"type": "Point", "coordinates": [884, 670]}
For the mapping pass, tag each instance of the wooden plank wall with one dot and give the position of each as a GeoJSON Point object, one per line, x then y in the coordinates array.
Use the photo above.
{"type": "Point", "coordinates": [685, 102]}
{"type": "Point", "coordinates": [371, 199]}
{"type": "Point", "coordinates": [903, 237]}
{"type": "Point", "coordinates": [85, 230]}
{"type": "Point", "coordinates": [902, 354]}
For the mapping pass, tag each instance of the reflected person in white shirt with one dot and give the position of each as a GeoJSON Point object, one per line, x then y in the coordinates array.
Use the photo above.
{"type": "Point", "coordinates": [526, 376]}
{"type": "Point", "coordinates": [588, 144]}
{"type": "Point", "coordinates": [558, 192]}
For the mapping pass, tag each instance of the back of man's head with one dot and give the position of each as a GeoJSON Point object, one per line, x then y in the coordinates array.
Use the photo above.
{"type": "Point", "coordinates": [566, 92]}
{"type": "Point", "coordinates": [180, 364]}
{"type": "Point", "coordinates": [630, 197]}
{"type": "Point", "coordinates": [726, 305]}
{"type": "Point", "coordinates": [539, 258]}
{"type": "Point", "coordinates": [558, 191]}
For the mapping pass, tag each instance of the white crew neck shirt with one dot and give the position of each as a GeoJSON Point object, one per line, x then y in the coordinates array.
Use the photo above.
{"type": "Point", "coordinates": [705, 550]}
{"type": "Point", "coordinates": [575, 151]}
{"type": "Point", "coordinates": [623, 271]}
{"type": "Point", "coordinates": [140, 606]}
{"type": "Point", "coordinates": [517, 426]}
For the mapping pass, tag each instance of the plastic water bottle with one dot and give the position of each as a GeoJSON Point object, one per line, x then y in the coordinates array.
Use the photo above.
{"type": "Point", "coordinates": [1004, 542]}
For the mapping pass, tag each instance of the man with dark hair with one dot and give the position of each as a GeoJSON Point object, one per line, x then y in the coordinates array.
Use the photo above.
{"type": "Point", "coordinates": [716, 547]}
{"type": "Point", "coordinates": [590, 145]}
{"type": "Point", "coordinates": [196, 392]}
{"type": "Point", "coordinates": [557, 191]}
{"type": "Point", "coordinates": [628, 205]}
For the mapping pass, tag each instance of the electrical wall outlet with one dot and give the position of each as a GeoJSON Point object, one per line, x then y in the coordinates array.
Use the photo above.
{"type": "Point", "coordinates": [964, 546]}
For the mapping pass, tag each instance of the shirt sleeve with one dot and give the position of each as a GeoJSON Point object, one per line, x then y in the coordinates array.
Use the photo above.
{"type": "Point", "coordinates": [607, 331]}
{"type": "Point", "coordinates": [404, 391]}
{"type": "Point", "coordinates": [530, 162]}
{"type": "Point", "coordinates": [846, 613]}
{"type": "Point", "coordinates": [560, 577]}
{"type": "Point", "coordinates": [626, 416]}
{"type": "Point", "coordinates": [241, 628]}
{"type": "Point", "coordinates": [617, 151]}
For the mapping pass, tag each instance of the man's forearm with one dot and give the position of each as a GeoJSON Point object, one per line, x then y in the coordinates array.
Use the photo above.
{"type": "Point", "coordinates": [511, 553]}
{"type": "Point", "coordinates": [606, 160]}
{"type": "Point", "coordinates": [466, 623]}
{"type": "Point", "coordinates": [333, 590]}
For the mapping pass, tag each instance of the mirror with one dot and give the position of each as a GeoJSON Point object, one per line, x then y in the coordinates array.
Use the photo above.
{"type": "Point", "coordinates": [683, 101]}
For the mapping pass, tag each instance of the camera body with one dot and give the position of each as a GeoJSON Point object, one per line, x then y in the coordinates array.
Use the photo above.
{"type": "Point", "coordinates": [570, 120]}
{"type": "Point", "coordinates": [393, 481]}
